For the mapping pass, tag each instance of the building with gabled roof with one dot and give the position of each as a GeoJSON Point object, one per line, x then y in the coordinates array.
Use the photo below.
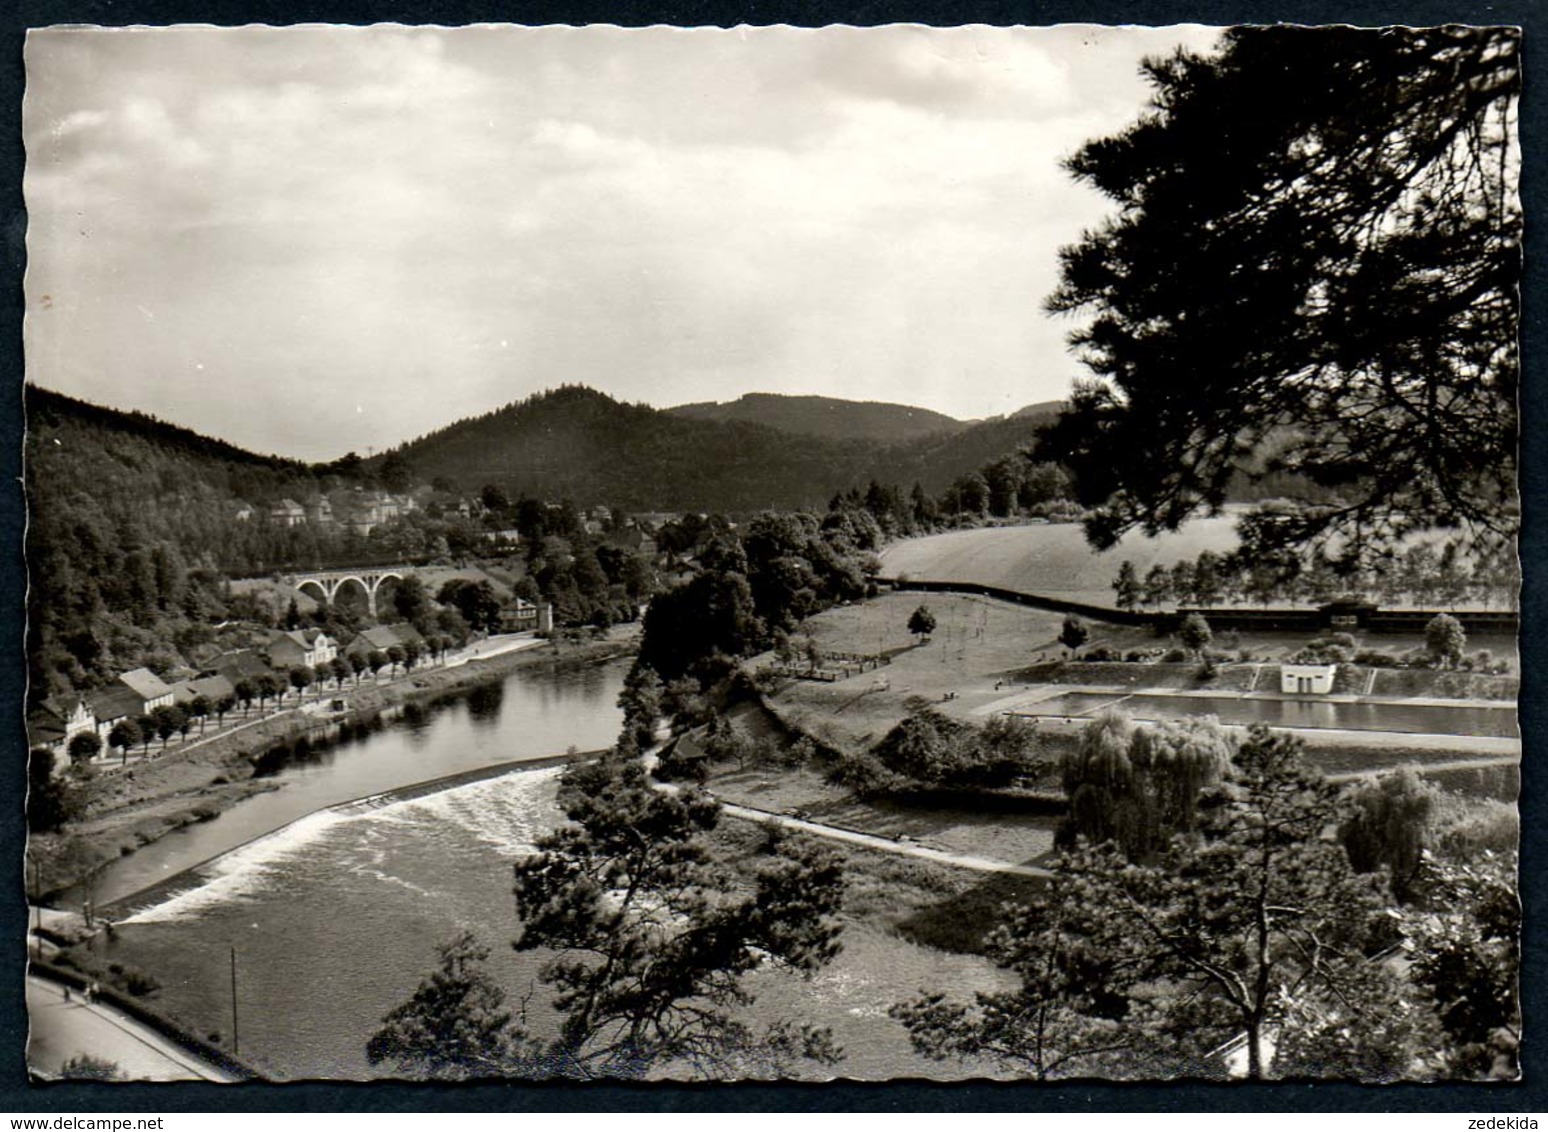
{"type": "Point", "coordinates": [113, 703]}
{"type": "Point", "coordinates": [154, 692]}
{"type": "Point", "coordinates": [380, 638]}
{"type": "Point", "coordinates": [212, 688]}
{"type": "Point", "coordinates": [44, 730]}
{"type": "Point", "coordinates": [71, 710]}
{"type": "Point", "coordinates": [522, 616]}
{"type": "Point", "coordinates": [243, 664]}
{"type": "Point", "coordinates": [310, 647]}
{"type": "Point", "coordinates": [287, 513]}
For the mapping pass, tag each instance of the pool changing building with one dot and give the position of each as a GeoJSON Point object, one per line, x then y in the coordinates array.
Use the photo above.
{"type": "Point", "coordinates": [1306, 679]}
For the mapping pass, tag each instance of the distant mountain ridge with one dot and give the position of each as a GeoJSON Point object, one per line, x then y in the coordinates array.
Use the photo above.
{"type": "Point", "coordinates": [572, 442]}
{"type": "Point", "coordinates": [582, 444]}
{"type": "Point", "coordinates": [832, 417]}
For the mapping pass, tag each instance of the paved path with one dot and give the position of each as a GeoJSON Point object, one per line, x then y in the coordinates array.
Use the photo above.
{"type": "Point", "coordinates": [60, 1030]}
{"type": "Point", "coordinates": [868, 840]}
{"type": "Point", "coordinates": [885, 844]}
{"type": "Point", "coordinates": [1431, 768]}
{"type": "Point", "coordinates": [495, 646]}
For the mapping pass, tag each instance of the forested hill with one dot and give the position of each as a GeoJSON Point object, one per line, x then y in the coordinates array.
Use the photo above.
{"type": "Point", "coordinates": [830, 417]}
{"type": "Point", "coordinates": [581, 444]}
{"type": "Point", "coordinates": [48, 410]}
{"type": "Point", "coordinates": [132, 523]}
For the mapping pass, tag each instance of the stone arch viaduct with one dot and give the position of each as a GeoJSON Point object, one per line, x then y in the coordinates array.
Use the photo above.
{"type": "Point", "coordinates": [327, 583]}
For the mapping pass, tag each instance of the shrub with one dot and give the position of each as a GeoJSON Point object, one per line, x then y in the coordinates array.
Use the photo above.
{"type": "Point", "coordinates": [865, 774]}
{"type": "Point", "coordinates": [1102, 654]}
{"type": "Point", "coordinates": [1321, 652]}
{"type": "Point", "coordinates": [1175, 656]}
{"type": "Point", "coordinates": [135, 982]}
{"type": "Point", "coordinates": [1375, 658]}
{"type": "Point", "coordinates": [1468, 828]}
{"type": "Point", "coordinates": [139, 984]}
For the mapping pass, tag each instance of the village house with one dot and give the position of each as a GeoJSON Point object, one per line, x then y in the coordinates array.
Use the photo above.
{"type": "Point", "coordinates": [440, 504]}
{"type": "Point", "coordinates": [46, 732]}
{"type": "Point", "coordinates": [360, 510]}
{"type": "Point", "coordinates": [319, 511]}
{"type": "Point", "coordinates": [243, 664]}
{"type": "Point", "coordinates": [212, 688]}
{"type": "Point", "coordinates": [522, 616]}
{"type": "Point", "coordinates": [287, 513]}
{"type": "Point", "coordinates": [152, 690]}
{"type": "Point", "coordinates": [242, 512]}
{"type": "Point", "coordinates": [57, 720]}
{"type": "Point", "coordinates": [380, 638]}
{"type": "Point", "coordinates": [111, 704]}
{"type": "Point", "coordinates": [309, 647]}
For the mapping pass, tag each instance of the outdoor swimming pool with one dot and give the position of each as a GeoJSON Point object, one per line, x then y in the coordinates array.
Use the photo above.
{"type": "Point", "coordinates": [1419, 719]}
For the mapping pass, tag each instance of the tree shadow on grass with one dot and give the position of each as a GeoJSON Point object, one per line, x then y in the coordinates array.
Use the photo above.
{"type": "Point", "coordinates": [964, 922]}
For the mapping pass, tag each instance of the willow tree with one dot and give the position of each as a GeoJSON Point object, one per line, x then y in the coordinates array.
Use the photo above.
{"type": "Point", "coordinates": [1251, 933]}
{"type": "Point", "coordinates": [1313, 269]}
{"type": "Point", "coordinates": [1138, 786]}
{"type": "Point", "coordinates": [1388, 826]}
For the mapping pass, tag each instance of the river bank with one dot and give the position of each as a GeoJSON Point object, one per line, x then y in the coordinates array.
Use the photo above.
{"type": "Point", "coordinates": [134, 806]}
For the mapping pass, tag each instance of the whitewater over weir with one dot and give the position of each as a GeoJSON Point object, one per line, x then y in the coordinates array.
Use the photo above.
{"type": "Point", "coordinates": [508, 813]}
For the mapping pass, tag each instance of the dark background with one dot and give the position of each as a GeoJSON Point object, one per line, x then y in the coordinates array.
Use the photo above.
{"type": "Point", "coordinates": [16, 1095]}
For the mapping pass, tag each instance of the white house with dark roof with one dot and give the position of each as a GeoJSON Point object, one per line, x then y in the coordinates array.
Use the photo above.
{"type": "Point", "coordinates": [311, 647]}
{"type": "Point", "coordinates": [59, 719]}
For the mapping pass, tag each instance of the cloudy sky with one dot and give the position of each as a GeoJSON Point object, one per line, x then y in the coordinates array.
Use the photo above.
{"type": "Point", "coordinates": [310, 240]}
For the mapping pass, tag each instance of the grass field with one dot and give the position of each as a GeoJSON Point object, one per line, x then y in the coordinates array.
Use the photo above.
{"type": "Point", "coordinates": [984, 653]}
{"type": "Point", "coordinates": [909, 928]}
{"type": "Point", "coordinates": [1052, 559]}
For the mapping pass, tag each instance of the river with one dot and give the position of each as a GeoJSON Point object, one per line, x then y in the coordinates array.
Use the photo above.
{"type": "Point", "coordinates": [334, 913]}
{"type": "Point", "coordinates": [531, 714]}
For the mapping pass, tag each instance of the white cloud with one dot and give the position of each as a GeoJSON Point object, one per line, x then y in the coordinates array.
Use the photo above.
{"type": "Point", "coordinates": [315, 212]}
